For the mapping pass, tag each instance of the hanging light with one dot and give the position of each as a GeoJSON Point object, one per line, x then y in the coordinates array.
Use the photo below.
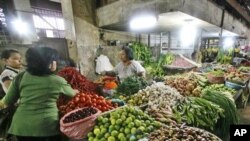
{"type": "Point", "coordinates": [20, 26]}
{"type": "Point", "coordinates": [143, 22]}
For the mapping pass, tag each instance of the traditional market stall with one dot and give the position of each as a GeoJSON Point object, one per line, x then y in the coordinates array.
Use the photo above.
{"type": "Point", "coordinates": [185, 68]}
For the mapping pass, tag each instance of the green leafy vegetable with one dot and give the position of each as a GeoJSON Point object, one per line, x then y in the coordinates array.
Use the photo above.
{"type": "Point", "coordinates": [131, 85]}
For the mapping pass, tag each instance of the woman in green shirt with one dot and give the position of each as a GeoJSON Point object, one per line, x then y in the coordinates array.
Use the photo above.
{"type": "Point", "coordinates": [36, 117]}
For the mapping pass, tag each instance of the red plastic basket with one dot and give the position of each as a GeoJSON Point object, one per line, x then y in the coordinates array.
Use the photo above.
{"type": "Point", "coordinates": [78, 129]}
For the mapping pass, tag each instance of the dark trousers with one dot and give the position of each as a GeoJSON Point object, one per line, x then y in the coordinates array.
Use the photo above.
{"type": "Point", "coordinates": [50, 138]}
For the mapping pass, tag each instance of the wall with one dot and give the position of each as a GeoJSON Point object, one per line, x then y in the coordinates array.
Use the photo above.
{"type": "Point", "coordinates": [82, 32]}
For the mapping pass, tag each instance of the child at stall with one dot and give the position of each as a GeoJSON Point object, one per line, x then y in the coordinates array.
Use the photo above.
{"type": "Point", "coordinates": [13, 63]}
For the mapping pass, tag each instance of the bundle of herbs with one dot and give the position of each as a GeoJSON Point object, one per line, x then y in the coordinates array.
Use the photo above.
{"type": "Point", "coordinates": [230, 112]}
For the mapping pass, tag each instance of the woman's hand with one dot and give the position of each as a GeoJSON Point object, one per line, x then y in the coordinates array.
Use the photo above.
{"type": "Point", "coordinates": [76, 91]}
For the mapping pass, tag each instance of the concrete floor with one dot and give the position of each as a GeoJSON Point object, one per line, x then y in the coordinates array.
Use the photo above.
{"type": "Point", "coordinates": [245, 114]}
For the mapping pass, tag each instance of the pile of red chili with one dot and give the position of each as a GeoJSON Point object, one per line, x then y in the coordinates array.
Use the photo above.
{"type": "Point", "coordinates": [87, 100]}
{"type": "Point", "coordinates": [77, 80]}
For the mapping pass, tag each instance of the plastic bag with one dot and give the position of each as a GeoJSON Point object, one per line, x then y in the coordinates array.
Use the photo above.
{"type": "Point", "coordinates": [78, 129]}
{"type": "Point", "coordinates": [103, 64]}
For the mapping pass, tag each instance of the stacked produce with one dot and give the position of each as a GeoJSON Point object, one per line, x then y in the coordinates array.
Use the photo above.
{"type": "Point", "coordinates": [217, 73]}
{"type": "Point", "coordinates": [124, 124]}
{"type": "Point", "coordinates": [222, 89]}
{"type": "Point", "coordinates": [180, 62]}
{"type": "Point", "coordinates": [87, 100]}
{"type": "Point", "coordinates": [81, 114]}
{"type": "Point", "coordinates": [77, 80]}
{"type": "Point", "coordinates": [198, 112]}
{"type": "Point", "coordinates": [236, 77]}
{"type": "Point", "coordinates": [131, 85]}
{"type": "Point", "coordinates": [179, 133]}
{"type": "Point", "coordinates": [186, 86]}
{"type": "Point", "coordinates": [244, 69]}
{"type": "Point", "coordinates": [163, 115]}
{"type": "Point", "coordinates": [229, 117]}
{"type": "Point", "coordinates": [157, 93]}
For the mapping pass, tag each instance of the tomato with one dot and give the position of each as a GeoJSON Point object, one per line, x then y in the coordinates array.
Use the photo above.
{"type": "Point", "coordinates": [76, 99]}
{"type": "Point", "coordinates": [83, 99]}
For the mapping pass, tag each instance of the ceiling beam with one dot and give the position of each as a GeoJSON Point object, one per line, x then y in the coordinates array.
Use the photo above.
{"type": "Point", "coordinates": [239, 9]}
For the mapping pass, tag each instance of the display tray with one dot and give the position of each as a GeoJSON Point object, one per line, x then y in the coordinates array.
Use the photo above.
{"type": "Point", "coordinates": [177, 67]}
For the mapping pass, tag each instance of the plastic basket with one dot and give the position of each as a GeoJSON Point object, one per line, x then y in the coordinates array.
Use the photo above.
{"type": "Point", "coordinates": [78, 129]}
{"type": "Point", "coordinates": [234, 85]}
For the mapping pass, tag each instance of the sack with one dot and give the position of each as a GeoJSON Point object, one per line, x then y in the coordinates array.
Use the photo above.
{"type": "Point", "coordinates": [78, 129]}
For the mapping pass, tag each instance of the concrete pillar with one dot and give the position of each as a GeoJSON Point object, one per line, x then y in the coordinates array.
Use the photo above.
{"type": "Point", "coordinates": [82, 33]}
{"type": "Point", "coordinates": [24, 13]}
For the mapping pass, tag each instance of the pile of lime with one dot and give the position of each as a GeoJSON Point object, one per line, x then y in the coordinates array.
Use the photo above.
{"type": "Point", "coordinates": [124, 124]}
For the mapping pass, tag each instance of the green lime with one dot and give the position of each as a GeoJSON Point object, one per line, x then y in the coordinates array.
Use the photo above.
{"type": "Point", "coordinates": [91, 139]}
{"type": "Point", "coordinates": [114, 133]}
{"type": "Point", "coordinates": [127, 131]}
{"type": "Point", "coordinates": [120, 136]}
{"type": "Point", "coordinates": [132, 138]}
{"type": "Point", "coordinates": [111, 138]}
{"type": "Point", "coordinates": [97, 131]}
{"type": "Point", "coordinates": [118, 121]}
{"type": "Point", "coordinates": [131, 125]}
{"type": "Point", "coordinates": [133, 131]}
{"type": "Point", "coordinates": [107, 135]}
{"type": "Point", "coordinates": [90, 134]}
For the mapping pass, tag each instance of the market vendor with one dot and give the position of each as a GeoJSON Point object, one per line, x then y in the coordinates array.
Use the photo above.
{"type": "Point", "coordinates": [36, 117]}
{"type": "Point", "coordinates": [128, 66]}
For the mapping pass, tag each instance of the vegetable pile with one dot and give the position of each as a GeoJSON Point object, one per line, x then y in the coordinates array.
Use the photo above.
{"type": "Point", "coordinates": [220, 88]}
{"type": "Point", "coordinates": [155, 69]}
{"type": "Point", "coordinates": [86, 100]}
{"type": "Point", "coordinates": [230, 112]}
{"type": "Point", "coordinates": [186, 86]}
{"type": "Point", "coordinates": [131, 85]}
{"type": "Point", "coordinates": [244, 69]}
{"type": "Point", "coordinates": [156, 94]}
{"type": "Point", "coordinates": [141, 52]}
{"type": "Point", "coordinates": [198, 112]}
{"type": "Point", "coordinates": [179, 133]}
{"type": "Point", "coordinates": [77, 80]}
{"type": "Point", "coordinates": [81, 114]}
{"type": "Point", "coordinates": [217, 73]}
{"type": "Point", "coordinates": [124, 124]}
{"type": "Point", "coordinates": [179, 62]}
{"type": "Point", "coordinates": [236, 77]}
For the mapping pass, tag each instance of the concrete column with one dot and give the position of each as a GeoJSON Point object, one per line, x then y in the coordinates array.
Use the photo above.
{"type": "Point", "coordinates": [81, 33]}
{"type": "Point", "coordinates": [67, 11]}
{"type": "Point", "coordinates": [24, 13]}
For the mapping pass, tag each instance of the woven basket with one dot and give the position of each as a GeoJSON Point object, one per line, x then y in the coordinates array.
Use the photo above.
{"type": "Point", "coordinates": [215, 79]}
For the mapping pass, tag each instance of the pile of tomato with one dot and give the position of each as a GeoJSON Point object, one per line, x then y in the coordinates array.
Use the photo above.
{"type": "Point", "coordinates": [87, 100]}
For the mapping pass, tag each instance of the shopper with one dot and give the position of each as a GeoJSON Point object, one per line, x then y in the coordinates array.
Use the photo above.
{"type": "Point", "coordinates": [128, 66]}
{"type": "Point", "coordinates": [12, 62]}
{"type": "Point", "coordinates": [36, 117]}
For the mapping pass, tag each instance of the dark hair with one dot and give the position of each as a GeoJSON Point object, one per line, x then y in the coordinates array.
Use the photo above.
{"type": "Point", "coordinates": [129, 53]}
{"type": "Point", "coordinates": [71, 62]}
{"type": "Point", "coordinates": [7, 53]}
{"type": "Point", "coordinates": [39, 58]}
